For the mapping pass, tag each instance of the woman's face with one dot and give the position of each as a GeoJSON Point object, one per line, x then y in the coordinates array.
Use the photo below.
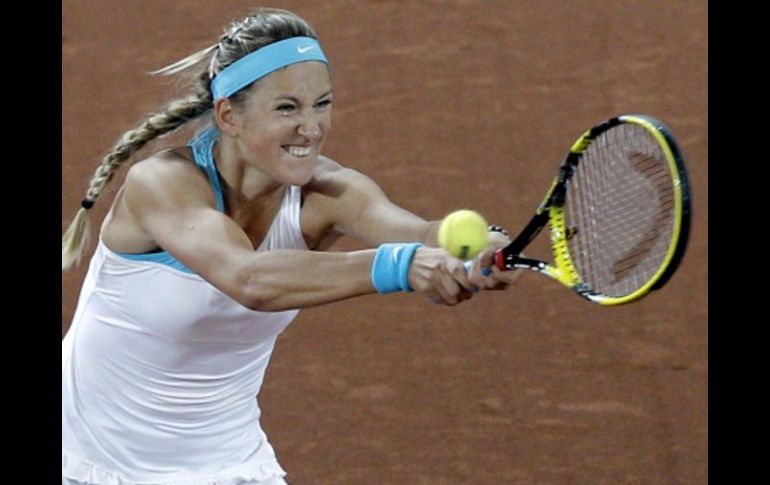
{"type": "Point", "coordinates": [282, 127]}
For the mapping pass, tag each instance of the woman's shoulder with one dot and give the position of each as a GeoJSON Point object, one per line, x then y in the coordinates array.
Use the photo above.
{"type": "Point", "coordinates": [167, 179]}
{"type": "Point", "coordinates": [328, 173]}
{"type": "Point", "coordinates": [170, 175]}
{"type": "Point", "coordinates": [168, 167]}
{"type": "Point", "coordinates": [179, 158]}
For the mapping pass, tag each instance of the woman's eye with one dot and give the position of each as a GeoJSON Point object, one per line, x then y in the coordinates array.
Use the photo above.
{"type": "Point", "coordinates": [285, 108]}
{"type": "Point", "coordinates": [324, 105]}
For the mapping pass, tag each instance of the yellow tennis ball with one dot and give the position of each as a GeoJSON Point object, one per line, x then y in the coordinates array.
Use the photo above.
{"type": "Point", "coordinates": [463, 233]}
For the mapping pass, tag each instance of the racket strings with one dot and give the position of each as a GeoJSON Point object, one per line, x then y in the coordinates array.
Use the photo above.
{"type": "Point", "coordinates": [621, 201]}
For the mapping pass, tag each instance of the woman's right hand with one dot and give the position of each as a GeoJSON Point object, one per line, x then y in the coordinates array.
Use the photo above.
{"type": "Point", "coordinates": [439, 276]}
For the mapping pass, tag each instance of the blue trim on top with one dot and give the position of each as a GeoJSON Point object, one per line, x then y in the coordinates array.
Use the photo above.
{"type": "Point", "coordinates": [202, 146]}
{"type": "Point", "coordinates": [163, 258]}
{"type": "Point", "coordinates": [262, 62]}
{"type": "Point", "coordinates": [203, 153]}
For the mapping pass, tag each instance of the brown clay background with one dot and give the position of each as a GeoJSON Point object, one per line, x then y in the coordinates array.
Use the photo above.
{"type": "Point", "coordinates": [451, 104]}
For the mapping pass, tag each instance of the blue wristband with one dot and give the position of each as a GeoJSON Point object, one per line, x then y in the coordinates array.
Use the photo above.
{"type": "Point", "coordinates": [390, 269]}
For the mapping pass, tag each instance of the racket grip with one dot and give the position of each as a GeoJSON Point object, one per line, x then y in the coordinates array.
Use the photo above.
{"type": "Point", "coordinates": [499, 259]}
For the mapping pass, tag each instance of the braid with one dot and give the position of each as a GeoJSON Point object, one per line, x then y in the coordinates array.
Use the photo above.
{"type": "Point", "coordinates": [178, 113]}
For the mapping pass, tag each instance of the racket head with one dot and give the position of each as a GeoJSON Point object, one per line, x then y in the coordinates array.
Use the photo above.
{"type": "Point", "coordinates": [618, 213]}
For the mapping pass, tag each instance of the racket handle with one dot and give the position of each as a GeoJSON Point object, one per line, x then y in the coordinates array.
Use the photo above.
{"type": "Point", "coordinates": [499, 259]}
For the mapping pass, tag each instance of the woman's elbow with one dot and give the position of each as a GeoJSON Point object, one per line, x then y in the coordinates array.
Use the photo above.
{"type": "Point", "coordinates": [255, 294]}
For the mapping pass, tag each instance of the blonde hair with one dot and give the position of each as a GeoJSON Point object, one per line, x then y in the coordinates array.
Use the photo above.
{"type": "Point", "coordinates": [263, 27]}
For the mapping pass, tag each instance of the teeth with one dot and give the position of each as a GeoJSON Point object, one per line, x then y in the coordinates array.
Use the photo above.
{"type": "Point", "coordinates": [298, 151]}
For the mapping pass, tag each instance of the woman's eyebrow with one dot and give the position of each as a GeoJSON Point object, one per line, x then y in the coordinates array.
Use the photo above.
{"type": "Point", "coordinates": [295, 99]}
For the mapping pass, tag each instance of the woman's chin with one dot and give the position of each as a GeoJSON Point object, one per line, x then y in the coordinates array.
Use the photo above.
{"type": "Point", "coordinates": [298, 178]}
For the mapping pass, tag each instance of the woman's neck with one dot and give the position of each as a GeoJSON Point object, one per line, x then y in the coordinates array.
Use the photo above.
{"type": "Point", "coordinates": [243, 182]}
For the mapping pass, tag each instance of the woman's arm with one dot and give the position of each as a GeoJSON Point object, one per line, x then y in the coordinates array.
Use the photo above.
{"type": "Point", "coordinates": [173, 204]}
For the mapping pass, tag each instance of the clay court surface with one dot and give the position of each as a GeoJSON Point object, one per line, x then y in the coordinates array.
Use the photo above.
{"type": "Point", "coordinates": [451, 104]}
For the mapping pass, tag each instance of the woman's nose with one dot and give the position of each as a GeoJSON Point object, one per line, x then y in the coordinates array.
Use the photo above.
{"type": "Point", "coordinates": [310, 127]}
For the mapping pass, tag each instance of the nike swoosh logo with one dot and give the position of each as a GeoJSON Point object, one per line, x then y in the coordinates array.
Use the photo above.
{"type": "Point", "coordinates": [302, 50]}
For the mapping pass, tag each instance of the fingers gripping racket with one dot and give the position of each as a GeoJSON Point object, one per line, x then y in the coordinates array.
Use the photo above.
{"type": "Point", "coordinates": [618, 213]}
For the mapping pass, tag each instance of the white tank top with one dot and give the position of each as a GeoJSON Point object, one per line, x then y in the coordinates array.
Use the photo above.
{"type": "Point", "coordinates": [160, 373]}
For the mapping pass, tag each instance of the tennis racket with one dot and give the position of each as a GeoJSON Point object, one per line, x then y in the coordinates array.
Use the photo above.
{"type": "Point", "coordinates": [618, 213]}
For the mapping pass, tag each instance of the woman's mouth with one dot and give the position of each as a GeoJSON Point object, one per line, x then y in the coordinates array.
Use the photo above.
{"type": "Point", "coordinates": [298, 151]}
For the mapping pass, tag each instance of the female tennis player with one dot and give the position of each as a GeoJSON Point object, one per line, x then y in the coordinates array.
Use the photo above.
{"type": "Point", "coordinates": [208, 252]}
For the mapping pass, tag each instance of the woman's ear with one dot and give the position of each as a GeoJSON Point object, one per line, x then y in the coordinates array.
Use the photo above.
{"type": "Point", "coordinates": [226, 117]}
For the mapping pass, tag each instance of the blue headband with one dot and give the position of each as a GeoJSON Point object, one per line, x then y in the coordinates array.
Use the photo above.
{"type": "Point", "coordinates": [262, 62]}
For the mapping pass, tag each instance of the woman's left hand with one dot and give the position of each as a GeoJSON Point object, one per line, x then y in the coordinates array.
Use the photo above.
{"type": "Point", "coordinates": [495, 279]}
